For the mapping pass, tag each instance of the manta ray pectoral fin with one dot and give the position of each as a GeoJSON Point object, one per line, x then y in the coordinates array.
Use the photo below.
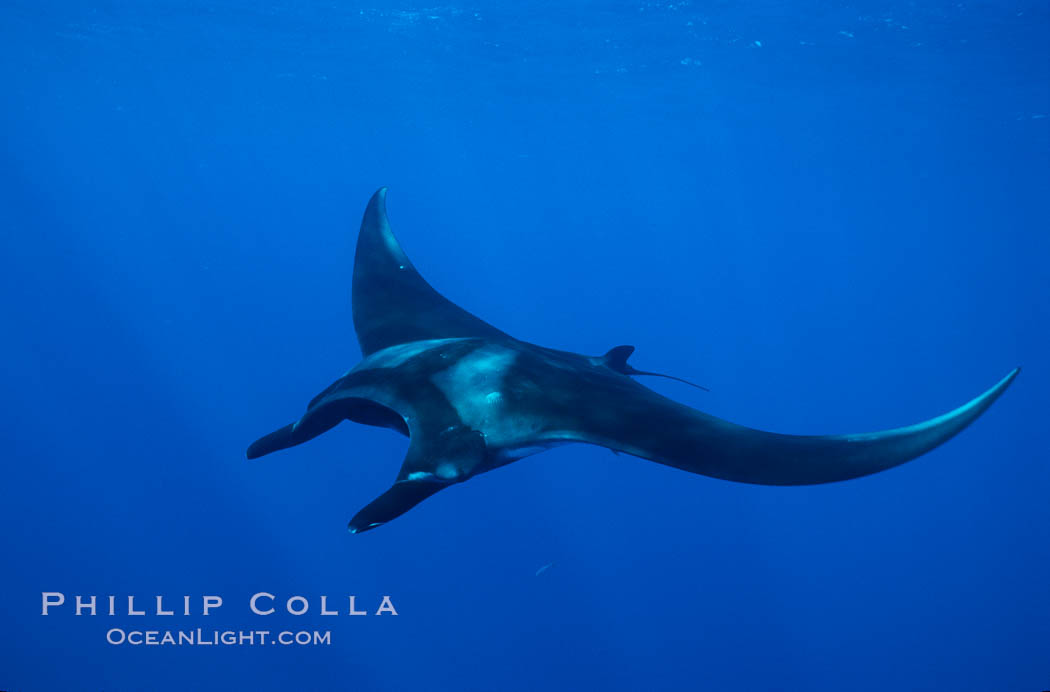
{"type": "Point", "coordinates": [645, 424]}
{"type": "Point", "coordinates": [392, 304]}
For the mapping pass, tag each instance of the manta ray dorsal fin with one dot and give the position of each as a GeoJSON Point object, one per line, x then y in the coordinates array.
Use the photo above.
{"type": "Point", "coordinates": [392, 303]}
{"type": "Point", "coordinates": [616, 360]}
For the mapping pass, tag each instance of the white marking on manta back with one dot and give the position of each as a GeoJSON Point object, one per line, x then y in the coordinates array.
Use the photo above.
{"type": "Point", "coordinates": [394, 356]}
{"type": "Point", "coordinates": [475, 387]}
{"type": "Point", "coordinates": [447, 471]}
{"type": "Point", "coordinates": [474, 384]}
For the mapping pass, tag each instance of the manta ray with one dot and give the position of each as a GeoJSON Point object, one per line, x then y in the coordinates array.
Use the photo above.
{"type": "Point", "coordinates": [471, 398]}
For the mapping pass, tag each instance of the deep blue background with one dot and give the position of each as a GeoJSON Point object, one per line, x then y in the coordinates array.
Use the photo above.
{"type": "Point", "coordinates": [834, 215]}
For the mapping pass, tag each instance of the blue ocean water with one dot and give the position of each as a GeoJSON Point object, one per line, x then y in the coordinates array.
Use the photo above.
{"type": "Point", "coordinates": [834, 215]}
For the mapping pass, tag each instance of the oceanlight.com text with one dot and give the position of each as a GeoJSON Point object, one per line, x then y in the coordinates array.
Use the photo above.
{"type": "Point", "coordinates": [201, 637]}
